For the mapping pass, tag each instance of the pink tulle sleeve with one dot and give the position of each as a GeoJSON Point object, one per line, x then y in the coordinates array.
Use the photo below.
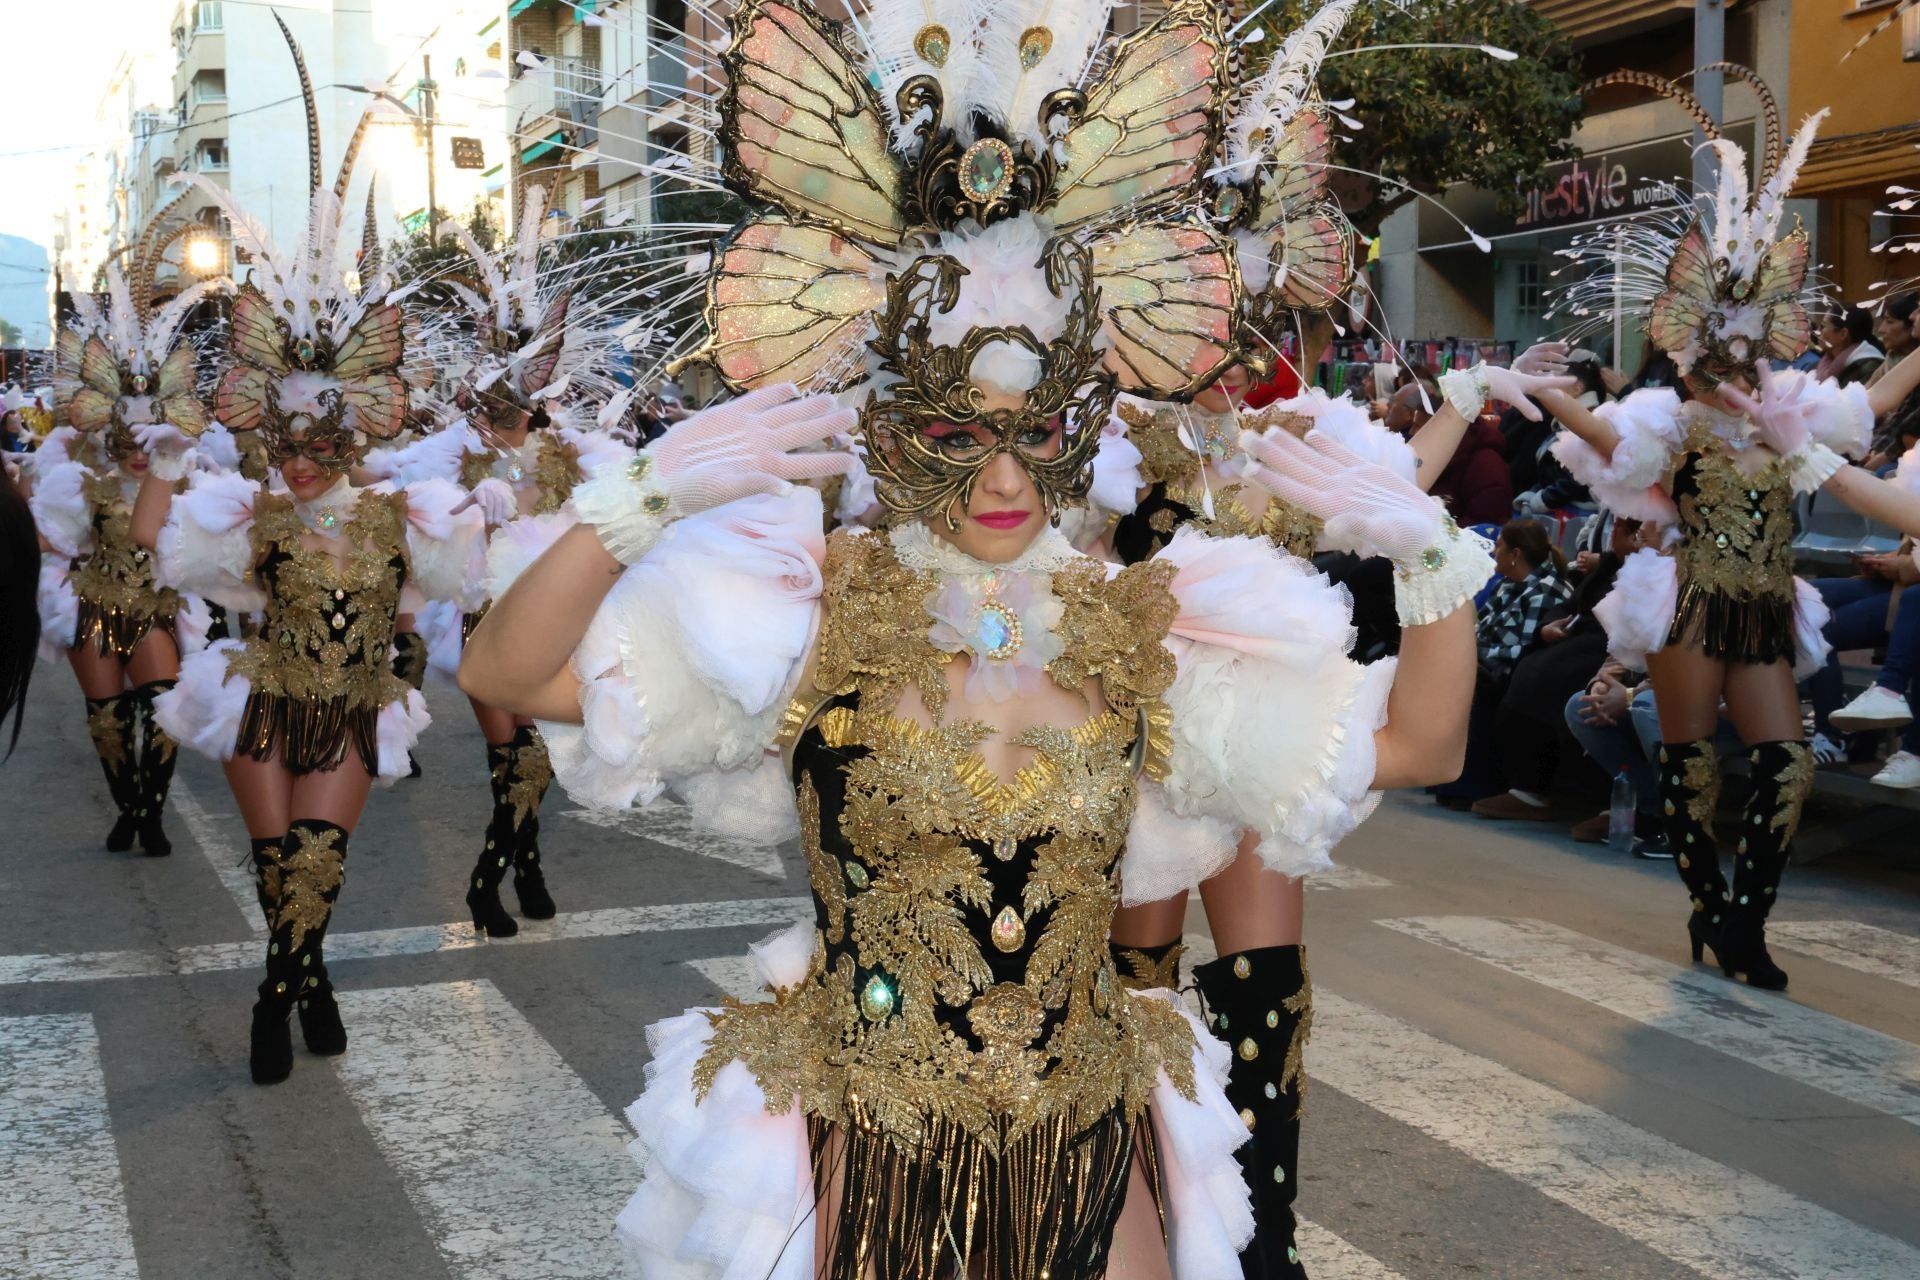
{"type": "Point", "coordinates": [1632, 482]}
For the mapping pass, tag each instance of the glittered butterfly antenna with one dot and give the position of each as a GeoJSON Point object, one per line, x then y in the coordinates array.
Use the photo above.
{"type": "Point", "coordinates": [1719, 285]}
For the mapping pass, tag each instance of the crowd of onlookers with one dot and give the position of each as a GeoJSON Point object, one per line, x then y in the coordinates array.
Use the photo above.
{"type": "Point", "coordinates": [1548, 696]}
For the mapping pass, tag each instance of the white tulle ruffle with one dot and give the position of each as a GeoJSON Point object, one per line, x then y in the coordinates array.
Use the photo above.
{"type": "Point", "coordinates": [60, 508]}
{"type": "Point", "coordinates": [206, 546]}
{"type": "Point", "coordinates": [1629, 483]}
{"type": "Point", "coordinates": [1638, 613]}
{"type": "Point", "coordinates": [728, 1190]}
{"type": "Point", "coordinates": [191, 622]}
{"type": "Point", "coordinates": [1348, 423]}
{"type": "Point", "coordinates": [204, 708]}
{"type": "Point", "coordinates": [445, 547]}
{"type": "Point", "coordinates": [399, 727]}
{"type": "Point", "coordinates": [59, 609]}
{"type": "Point", "coordinates": [1272, 723]}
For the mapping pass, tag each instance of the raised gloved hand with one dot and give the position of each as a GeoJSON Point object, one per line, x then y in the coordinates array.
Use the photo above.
{"type": "Point", "coordinates": [1468, 390]}
{"type": "Point", "coordinates": [156, 438]}
{"type": "Point", "coordinates": [496, 501]}
{"type": "Point", "coordinates": [1367, 509]}
{"type": "Point", "coordinates": [1778, 415]}
{"type": "Point", "coordinates": [1547, 359]}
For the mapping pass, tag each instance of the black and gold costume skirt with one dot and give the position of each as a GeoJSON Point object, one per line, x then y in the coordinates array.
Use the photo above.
{"type": "Point", "coordinates": [1755, 629]}
{"type": "Point", "coordinates": [115, 631]}
{"type": "Point", "coordinates": [311, 735]}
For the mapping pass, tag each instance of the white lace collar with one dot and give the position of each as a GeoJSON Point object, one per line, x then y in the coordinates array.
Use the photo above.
{"type": "Point", "coordinates": [918, 549]}
{"type": "Point", "coordinates": [1734, 428]}
{"type": "Point", "coordinates": [326, 513]}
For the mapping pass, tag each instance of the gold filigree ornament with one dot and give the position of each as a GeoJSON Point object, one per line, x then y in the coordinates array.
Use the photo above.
{"type": "Point", "coordinates": [934, 43]}
{"type": "Point", "coordinates": [1035, 44]}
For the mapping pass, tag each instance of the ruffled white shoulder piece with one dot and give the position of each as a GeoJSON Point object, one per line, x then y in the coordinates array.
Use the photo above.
{"type": "Point", "coordinates": [1631, 482]}
{"type": "Point", "coordinates": [206, 546]}
{"type": "Point", "coordinates": [446, 548]}
{"type": "Point", "coordinates": [60, 508]}
{"type": "Point", "coordinates": [1273, 723]}
{"type": "Point", "coordinates": [688, 664]}
{"type": "Point", "coordinates": [595, 448]}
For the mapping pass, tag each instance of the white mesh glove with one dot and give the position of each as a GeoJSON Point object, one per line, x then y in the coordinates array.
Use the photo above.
{"type": "Point", "coordinates": [166, 446]}
{"type": "Point", "coordinates": [1370, 511]}
{"type": "Point", "coordinates": [1468, 390]}
{"type": "Point", "coordinates": [1779, 415]}
{"type": "Point", "coordinates": [759, 443]}
{"type": "Point", "coordinates": [1543, 359]}
{"type": "Point", "coordinates": [496, 501]}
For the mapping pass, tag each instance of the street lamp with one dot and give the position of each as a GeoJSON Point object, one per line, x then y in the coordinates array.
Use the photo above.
{"type": "Point", "coordinates": [204, 254]}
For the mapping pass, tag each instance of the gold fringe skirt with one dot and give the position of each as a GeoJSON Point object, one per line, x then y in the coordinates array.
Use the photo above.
{"type": "Point", "coordinates": [114, 631]}
{"type": "Point", "coordinates": [1046, 1204]}
{"type": "Point", "coordinates": [1755, 630]}
{"type": "Point", "coordinates": [313, 736]}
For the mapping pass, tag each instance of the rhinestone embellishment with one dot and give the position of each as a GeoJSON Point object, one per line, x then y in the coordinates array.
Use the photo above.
{"type": "Point", "coordinates": [328, 520]}
{"type": "Point", "coordinates": [876, 998]}
{"type": "Point", "coordinates": [997, 631]}
{"type": "Point", "coordinates": [339, 621]}
{"type": "Point", "coordinates": [856, 875]}
{"type": "Point", "coordinates": [1227, 204]}
{"type": "Point", "coordinates": [1249, 1050]}
{"type": "Point", "coordinates": [637, 468]}
{"type": "Point", "coordinates": [1009, 932]}
{"type": "Point", "coordinates": [986, 170]}
{"type": "Point", "coordinates": [1004, 848]}
{"type": "Point", "coordinates": [1035, 44]}
{"type": "Point", "coordinates": [516, 473]}
{"type": "Point", "coordinates": [933, 43]}
{"type": "Point", "coordinates": [1242, 967]}
{"type": "Point", "coordinates": [1246, 1118]}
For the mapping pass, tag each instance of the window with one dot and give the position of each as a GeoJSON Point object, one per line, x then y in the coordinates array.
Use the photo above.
{"type": "Point", "coordinates": [1527, 296]}
{"type": "Point", "coordinates": [211, 156]}
{"type": "Point", "coordinates": [206, 16]}
{"type": "Point", "coordinates": [209, 86]}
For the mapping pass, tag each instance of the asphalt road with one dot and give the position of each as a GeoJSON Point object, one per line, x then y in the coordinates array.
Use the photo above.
{"type": "Point", "coordinates": [1514, 1072]}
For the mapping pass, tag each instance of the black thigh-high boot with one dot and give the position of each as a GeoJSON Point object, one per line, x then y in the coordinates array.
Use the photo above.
{"type": "Point", "coordinates": [1148, 968]}
{"type": "Point", "coordinates": [1782, 774]}
{"type": "Point", "coordinates": [110, 722]}
{"type": "Point", "coordinates": [496, 854]}
{"type": "Point", "coordinates": [532, 773]}
{"type": "Point", "coordinates": [313, 861]}
{"type": "Point", "coordinates": [266, 876]}
{"type": "Point", "coordinates": [157, 750]}
{"type": "Point", "coordinates": [1261, 1003]}
{"type": "Point", "coordinates": [1689, 794]}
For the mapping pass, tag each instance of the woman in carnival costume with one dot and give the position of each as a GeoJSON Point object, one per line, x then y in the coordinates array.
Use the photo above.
{"type": "Point", "coordinates": [1293, 249]}
{"type": "Point", "coordinates": [517, 448]}
{"type": "Point", "coordinates": [1715, 614]}
{"type": "Point", "coordinates": [308, 712]}
{"type": "Point", "coordinates": [970, 718]}
{"type": "Point", "coordinates": [124, 367]}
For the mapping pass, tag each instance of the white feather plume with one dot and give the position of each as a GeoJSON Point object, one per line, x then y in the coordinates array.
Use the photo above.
{"type": "Point", "coordinates": [1270, 101]}
{"type": "Point", "coordinates": [1730, 198]}
{"type": "Point", "coordinates": [1076, 28]}
{"type": "Point", "coordinates": [890, 30]}
{"type": "Point", "coordinates": [1770, 206]}
{"type": "Point", "coordinates": [167, 320]}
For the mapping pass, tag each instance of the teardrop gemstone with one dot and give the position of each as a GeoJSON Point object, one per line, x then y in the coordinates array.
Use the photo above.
{"type": "Point", "coordinates": [1009, 931]}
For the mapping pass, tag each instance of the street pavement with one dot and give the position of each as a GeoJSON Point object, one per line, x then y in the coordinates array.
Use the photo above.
{"type": "Point", "coordinates": [1514, 1071]}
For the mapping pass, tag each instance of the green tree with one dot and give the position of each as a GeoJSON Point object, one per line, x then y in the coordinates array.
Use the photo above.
{"type": "Point", "coordinates": [9, 333]}
{"type": "Point", "coordinates": [433, 254]}
{"type": "Point", "coordinates": [1436, 117]}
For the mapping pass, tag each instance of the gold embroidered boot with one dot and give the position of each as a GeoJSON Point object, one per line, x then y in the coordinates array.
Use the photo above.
{"type": "Point", "coordinates": [1148, 968]}
{"type": "Point", "coordinates": [496, 853]}
{"type": "Point", "coordinates": [157, 751]}
{"type": "Point", "coordinates": [1261, 1003]}
{"type": "Point", "coordinates": [110, 723]}
{"type": "Point", "coordinates": [312, 864]}
{"type": "Point", "coordinates": [1782, 774]}
{"type": "Point", "coordinates": [1689, 795]}
{"type": "Point", "coordinates": [532, 773]}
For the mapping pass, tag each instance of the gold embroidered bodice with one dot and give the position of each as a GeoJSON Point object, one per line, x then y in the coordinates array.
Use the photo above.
{"type": "Point", "coordinates": [1737, 527]}
{"type": "Point", "coordinates": [961, 975]}
{"type": "Point", "coordinates": [555, 471]}
{"type": "Point", "coordinates": [1170, 466]}
{"type": "Point", "coordinates": [116, 577]}
{"type": "Point", "coordinates": [329, 624]}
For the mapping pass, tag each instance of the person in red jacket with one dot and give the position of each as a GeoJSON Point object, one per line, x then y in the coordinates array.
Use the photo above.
{"type": "Point", "coordinates": [1476, 485]}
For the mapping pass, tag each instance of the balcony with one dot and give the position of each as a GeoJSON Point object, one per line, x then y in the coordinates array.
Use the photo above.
{"type": "Point", "coordinates": [1588, 21]}
{"type": "Point", "coordinates": [559, 94]}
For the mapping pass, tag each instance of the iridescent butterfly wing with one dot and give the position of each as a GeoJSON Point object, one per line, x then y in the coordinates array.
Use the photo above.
{"type": "Point", "coordinates": [1172, 299]}
{"type": "Point", "coordinates": [367, 363]}
{"type": "Point", "coordinates": [1151, 122]}
{"type": "Point", "coordinates": [1297, 165]}
{"type": "Point", "coordinates": [1312, 256]}
{"type": "Point", "coordinates": [1674, 320]}
{"type": "Point", "coordinates": [537, 370]}
{"type": "Point", "coordinates": [790, 302]}
{"type": "Point", "coordinates": [173, 392]}
{"type": "Point", "coordinates": [241, 401]}
{"type": "Point", "coordinates": [256, 337]}
{"type": "Point", "coordinates": [1776, 285]}
{"type": "Point", "coordinates": [801, 127]}
{"type": "Point", "coordinates": [91, 406]}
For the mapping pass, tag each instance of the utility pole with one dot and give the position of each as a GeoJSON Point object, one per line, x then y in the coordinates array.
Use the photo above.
{"type": "Point", "coordinates": [427, 86]}
{"type": "Point", "coordinates": [1709, 46]}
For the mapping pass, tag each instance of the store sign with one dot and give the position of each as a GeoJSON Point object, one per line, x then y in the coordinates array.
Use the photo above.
{"type": "Point", "coordinates": [1608, 185]}
{"type": "Point", "coordinates": [467, 154]}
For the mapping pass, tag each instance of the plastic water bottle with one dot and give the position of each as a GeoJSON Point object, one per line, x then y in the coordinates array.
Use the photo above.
{"type": "Point", "coordinates": [1620, 813]}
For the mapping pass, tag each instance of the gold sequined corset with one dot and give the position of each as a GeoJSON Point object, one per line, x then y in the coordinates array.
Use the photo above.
{"type": "Point", "coordinates": [962, 973]}
{"type": "Point", "coordinates": [556, 470]}
{"type": "Point", "coordinates": [1735, 557]}
{"type": "Point", "coordinates": [119, 604]}
{"type": "Point", "coordinates": [319, 667]}
{"type": "Point", "coordinates": [1177, 486]}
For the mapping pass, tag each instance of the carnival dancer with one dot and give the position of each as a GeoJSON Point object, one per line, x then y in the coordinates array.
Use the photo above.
{"type": "Point", "coordinates": [1715, 614]}
{"type": "Point", "coordinates": [969, 717]}
{"type": "Point", "coordinates": [519, 449]}
{"type": "Point", "coordinates": [123, 366]}
{"type": "Point", "coordinates": [307, 712]}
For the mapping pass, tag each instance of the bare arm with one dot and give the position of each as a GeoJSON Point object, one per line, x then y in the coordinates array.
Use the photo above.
{"type": "Point", "coordinates": [1582, 421]}
{"type": "Point", "coordinates": [150, 511]}
{"type": "Point", "coordinates": [517, 658]}
{"type": "Point", "coordinates": [1424, 740]}
{"type": "Point", "coordinates": [1875, 498]}
{"type": "Point", "coordinates": [1434, 444]}
{"type": "Point", "coordinates": [1895, 384]}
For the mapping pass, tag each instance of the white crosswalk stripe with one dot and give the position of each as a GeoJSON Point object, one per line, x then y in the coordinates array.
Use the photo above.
{"type": "Point", "coordinates": [63, 1210]}
{"type": "Point", "coordinates": [1863, 948]}
{"type": "Point", "coordinates": [514, 1164]}
{"type": "Point", "coordinates": [1811, 1048]}
{"type": "Point", "coordinates": [1332, 1258]}
{"type": "Point", "coordinates": [1719, 1221]}
{"type": "Point", "coordinates": [669, 823]}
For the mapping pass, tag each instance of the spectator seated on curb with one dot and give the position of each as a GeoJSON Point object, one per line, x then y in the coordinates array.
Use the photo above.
{"type": "Point", "coordinates": [1897, 329]}
{"type": "Point", "coordinates": [1847, 353]}
{"type": "Point", "coordinates": [1876, 608]}
{"type": "Point", "coordinates": [1532, 590]}
{"type": "Point", "coordinates": [1540, 481]}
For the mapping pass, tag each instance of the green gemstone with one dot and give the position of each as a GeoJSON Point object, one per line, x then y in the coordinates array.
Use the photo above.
{"type": "Point", "coordinates": [857, 875]}
{"type": "Point", "coordinates": [986, 170]}
{"type": "Point", "coordinates": [876, 1000]}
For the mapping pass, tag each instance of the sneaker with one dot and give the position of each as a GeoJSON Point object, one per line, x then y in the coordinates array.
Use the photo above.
{"type": "Point", "coordinates": [1652, 848]}
{"type": "Point", "coordinates": [1877, 708]}
{"type": "Point", "coordinates": [1509, 807]}
{"type": "Point", "coordinates": [1591, 830]}
{"type": "Point", "coordinates": [1826, 751]}
{"type": "Point", "coordinates": [1901, 770]}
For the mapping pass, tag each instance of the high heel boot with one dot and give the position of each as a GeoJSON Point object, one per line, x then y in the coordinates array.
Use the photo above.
{"type": "Point", "coordinates": [312, 865]}
{"type": "Point", "coordinates": [1782, 774]}
{"type": "Point", "coordinates": [1689, 795]}
{"type": "Point", "coordinates": [1261, 1003]}
{"type": "Point", "coordinates": [110, 722]}
{"type": "Point", "coordinates": [157, 752]}
{"type": "Point", "coordinates": [1148, 968]}
{"type": "Point", "coordinates": [532, 773]}
{"type": "Point", "coordinates": [496, 855]}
